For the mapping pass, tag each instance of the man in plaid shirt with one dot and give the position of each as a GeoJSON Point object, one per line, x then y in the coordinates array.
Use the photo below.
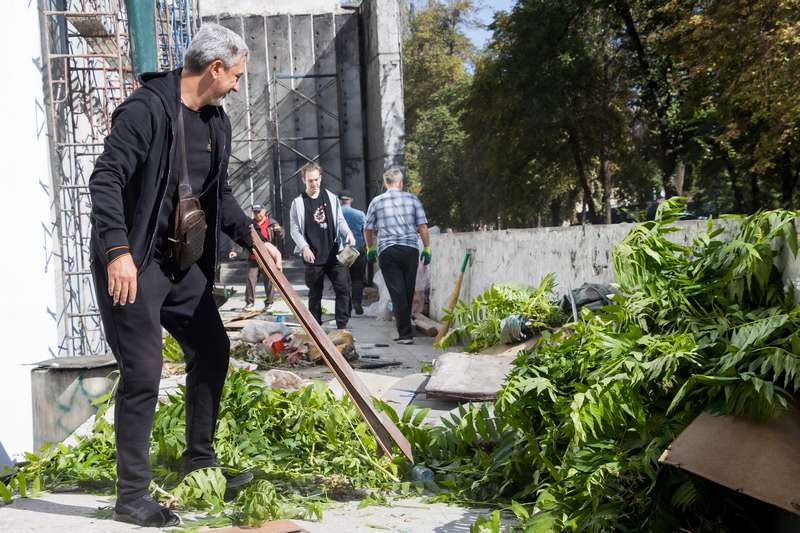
{"type": "Point", "coordinates": [397, 217]}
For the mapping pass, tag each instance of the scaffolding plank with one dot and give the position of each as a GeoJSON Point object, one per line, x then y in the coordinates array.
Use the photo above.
{"type": "Point", "coordinates": [305, 119]}
{"type": "Point", "coordinates": [260, 171]}
{"type": "Point", "coordinates": [327, 99]}
{"type": "Point", "coordinates": [351, 120]}
{"type": "Point", "coordinates": [381, 426]}
{"type": "Point", "coordinates": [236, 107]}
{"type": "Point", "coordinates": [284, 161]}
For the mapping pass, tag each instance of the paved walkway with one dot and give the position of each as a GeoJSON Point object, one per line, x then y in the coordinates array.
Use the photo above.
{"type": "Point", "coordinates": [85, 513]}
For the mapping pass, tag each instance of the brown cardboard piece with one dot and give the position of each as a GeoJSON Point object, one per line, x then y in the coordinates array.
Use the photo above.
{"type": "Point", "coordinates": [760, 459]}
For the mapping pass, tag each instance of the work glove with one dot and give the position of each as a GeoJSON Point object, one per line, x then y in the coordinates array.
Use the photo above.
{"type": "Point", "coordinates": [426, 255]}
{"type": "Point", "coordinates": [372, 254]}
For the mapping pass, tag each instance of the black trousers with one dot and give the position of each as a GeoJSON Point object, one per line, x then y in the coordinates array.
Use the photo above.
{"type": "Point", "coordinates": [253, 273]}
{"type": "Point", "coordinates": [399, 267]}
{"type": "Point", "coordinates": [340, 279]}
{"type": "Point", "coordinates": [185, 307]}
{"type": "Point", "coordinates": [357, 272]}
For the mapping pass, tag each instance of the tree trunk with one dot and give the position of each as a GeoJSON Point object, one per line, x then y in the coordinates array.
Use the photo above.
{"type": "Point", "coordinates": [755, 193]}
{"type": "Point", "coordinates": [689, 178]}
{"type": "Point", "coordinates": [680, 174]}
{"type": "Point", "coordinates": [583, 178]}
{"type": "Point", "coordinates": [738, 195]}
{"type": "Point", "coordinates": [657, 103]}
{"type": "Point", "coordinates": [555, 212]}
{"type": "Point", "coordinates": [605, 174]}
{"type": "Point", "coordinates": [788, 180]}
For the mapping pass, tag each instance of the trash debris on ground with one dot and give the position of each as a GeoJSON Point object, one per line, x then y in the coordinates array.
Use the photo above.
{"type": "Point", "coordinates": [592, 296]}
{"type": "Point", "coordinates": [516, 328]}
{"type": "Point", "coordinates": [372, 365]}
{"type": "Point", "coordinates": [302, 346]}
{"type": "Point", "coordinates": [256, 331]}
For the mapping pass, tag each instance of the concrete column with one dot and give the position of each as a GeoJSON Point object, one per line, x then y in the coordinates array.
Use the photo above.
{"type": "Point", "coordinates": [384, 87]}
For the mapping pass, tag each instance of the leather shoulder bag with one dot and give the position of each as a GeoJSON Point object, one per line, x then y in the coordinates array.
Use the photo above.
{"type": "Point", "coordinates": [190, 220]}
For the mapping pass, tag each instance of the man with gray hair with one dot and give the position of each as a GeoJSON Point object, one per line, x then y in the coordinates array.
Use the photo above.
{"type": "Point", "coordinates": [397, 217]}
{"type": "Point", "coordinates": [160, 197]}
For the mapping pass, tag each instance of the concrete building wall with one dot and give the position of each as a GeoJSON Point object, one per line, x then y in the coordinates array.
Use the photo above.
{"type": "Point", "coordinates": [27, 282]}
{"type": "Point", "coordinates": [383, 21]}
{"type": "Point", "coordinates": [575, 254]}
{"type": "Point", "coordinates": [266, 7]}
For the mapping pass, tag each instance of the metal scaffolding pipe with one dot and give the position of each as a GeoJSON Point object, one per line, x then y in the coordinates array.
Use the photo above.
{"type": "Point", "coordinates": [142, 30]}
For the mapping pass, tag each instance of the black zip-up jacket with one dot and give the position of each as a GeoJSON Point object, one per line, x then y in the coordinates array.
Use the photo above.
{"type": "Point", "coordinates": [133, 173]}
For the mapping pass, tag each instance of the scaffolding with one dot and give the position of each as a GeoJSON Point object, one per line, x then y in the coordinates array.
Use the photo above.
{"type": "Point", "coordinates": [302, 149]}
{"type": "Point", "coordinates": [175, 25]}
{"type": "Point", "coordinates": [87, 73]}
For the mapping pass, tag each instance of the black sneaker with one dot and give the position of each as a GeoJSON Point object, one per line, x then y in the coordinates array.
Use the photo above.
{"type": "Point", "coordinates": [358, 309]}
{"type": "Point", "coordinates": [146, 512]}
{"type": "Point", "coordinates": [404, 340]}
{"type": "Point", "coordinates": [234, 479]}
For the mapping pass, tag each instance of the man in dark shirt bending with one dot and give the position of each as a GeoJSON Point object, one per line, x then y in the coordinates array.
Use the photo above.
{"type": "Point", "coordinates": [320, 231]}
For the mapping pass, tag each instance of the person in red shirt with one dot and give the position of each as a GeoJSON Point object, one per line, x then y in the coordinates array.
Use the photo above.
{"type": "Point", "coordinates": [269, 232]}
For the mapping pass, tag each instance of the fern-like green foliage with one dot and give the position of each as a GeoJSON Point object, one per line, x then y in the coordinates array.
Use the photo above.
{"type": "Point", "coordinates": [303, 447]}
{"type": "Point", "coordinates": [573, 440]}
{"type": "Point", "coordinates": [477, 324]}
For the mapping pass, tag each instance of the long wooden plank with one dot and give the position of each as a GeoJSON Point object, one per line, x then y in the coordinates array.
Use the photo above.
{"type": "Point", "coordinates": [384, 429]}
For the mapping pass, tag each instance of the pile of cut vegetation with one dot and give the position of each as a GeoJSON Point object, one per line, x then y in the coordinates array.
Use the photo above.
{"type": "Point", "coordinates": [574, 438]}
{"type": "Point", "coordinates": [305, 448]}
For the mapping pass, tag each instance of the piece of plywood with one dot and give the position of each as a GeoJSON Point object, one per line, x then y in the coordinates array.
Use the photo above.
{"type": "Point", "coordinates": [385, 431]}
{"type": "Point", "coordinates": [468, 376]}
{"type": "Point", "coordinates": [760, 459]}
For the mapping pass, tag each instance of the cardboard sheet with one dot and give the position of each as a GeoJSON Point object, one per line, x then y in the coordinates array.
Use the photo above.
{"type": "Point", "coordinates": [761, 460]}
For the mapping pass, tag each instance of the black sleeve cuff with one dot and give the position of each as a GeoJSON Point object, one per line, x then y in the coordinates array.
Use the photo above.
{"type": "Point", "coordinates": [115, 237]}
{"type": "Point", "coordinates": [114, 253]}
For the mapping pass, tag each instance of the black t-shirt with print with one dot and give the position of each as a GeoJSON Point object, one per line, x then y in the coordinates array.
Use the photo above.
{"type": "Point", "coordinates": [319, 227]}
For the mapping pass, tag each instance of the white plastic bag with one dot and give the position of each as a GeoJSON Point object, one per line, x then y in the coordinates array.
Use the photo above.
{"type": "Point", "coordinates": [380, 309]}
{"type": "Point", "coordinates": [258, 330]}
{"type": "Point", "coordinates": [421, 285]}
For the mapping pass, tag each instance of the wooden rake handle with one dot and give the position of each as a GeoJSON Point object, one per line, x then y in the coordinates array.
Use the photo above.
{"type": "Point", "coordinates": [386, 433]}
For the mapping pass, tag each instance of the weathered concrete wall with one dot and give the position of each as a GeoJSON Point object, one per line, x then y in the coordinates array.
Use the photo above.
{"type": "Point", "coordinates": [575, 254]}
{"type": "Point", "coordinates": [63, 391]}
{"type": "Point", "coordinates": [383, 29]}
{"type": "Point", "coordinates": [266, 7]}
